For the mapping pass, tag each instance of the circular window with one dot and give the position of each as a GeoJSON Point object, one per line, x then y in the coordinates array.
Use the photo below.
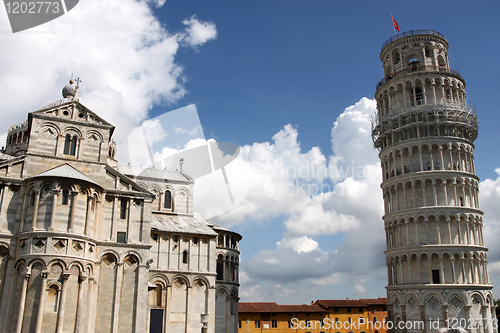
{"type": "Point", "coordinates": [66, 112]}
{"type": "Point", "coordinates": [81, 115]}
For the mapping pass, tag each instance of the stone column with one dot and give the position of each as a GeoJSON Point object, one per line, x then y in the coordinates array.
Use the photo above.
{"type": "Point", "coordinates": [441, 270]}
{"type": "Point", "coordinates": [430, 269]}
{"type": "Point", "coordinates": [116, 301]}
{"type": "Point", "coordinates": [72, 212]}
{"type": "Point", "coordinates": [464, 277]}
{"type": "Point", "coordinates": [55, 193]}
{"type": "Point", "coordinates": [453, 273]}
{"type": "Point", "coordinates": [87, 217]}
{"type": "Point", "coordinates": [448, 221]}
{"type": "Point", "coordinates": [413, 192]}
{"type": "Point", "coordinates": [22, 302]}
{"type": "Point", "coordinates": [434, 192]}
{"type": "Point", "coordinates": [459, 231]}
{"type": "Point", "coordinates": [34, 223]}
{"type": "Point", "coordinates": [80, 304]}
{"type": "Point", "coordinates": [446, 316]}
{"type": "Point", "coordinates": [41, 304]}
{"type": "Point", "coordinates": [113, 219]}
{"type": "Point", "coordinates": [420, 157]}
{"type": "Point", "coordinates": [416, 232]}
{"type": "Point", "coordinates": [419, 262]}
{"type": "Point", "coordinates": [422, 318]}
{"type": "Point", "coordinates": [2, 198]}
{"type": "Point", "coordinates": [62, 302]}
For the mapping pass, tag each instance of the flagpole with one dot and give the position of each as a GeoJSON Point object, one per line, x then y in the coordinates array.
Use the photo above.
{"type": "Point", "coordinates": [393, 27]}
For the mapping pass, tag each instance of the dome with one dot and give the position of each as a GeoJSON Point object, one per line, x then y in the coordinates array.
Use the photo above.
{"type": "Point", "coordinates": [69, 90]}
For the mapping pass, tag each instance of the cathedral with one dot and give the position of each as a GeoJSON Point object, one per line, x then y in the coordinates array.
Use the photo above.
{"type": "Point", "coordinates": [89, 245]}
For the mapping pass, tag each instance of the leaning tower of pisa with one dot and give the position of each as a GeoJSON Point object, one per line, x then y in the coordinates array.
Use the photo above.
{"type": "Point", "coordinates": [425, 132]}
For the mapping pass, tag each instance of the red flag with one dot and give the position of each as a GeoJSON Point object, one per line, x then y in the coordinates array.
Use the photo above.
{"type": "Point", "coordinates": [395, 24]}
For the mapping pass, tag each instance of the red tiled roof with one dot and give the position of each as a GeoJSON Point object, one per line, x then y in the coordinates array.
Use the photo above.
{"type": "Point", "coordinates": [374, 301]}
{"type": "Point", "coordinates": [244, 307]}
{"type": "Point", "coordinates": [302, 308]}
{"type": "Point", "coordinates": [346, 303]}
{"type": "Point", "coordinates": [257, 307]}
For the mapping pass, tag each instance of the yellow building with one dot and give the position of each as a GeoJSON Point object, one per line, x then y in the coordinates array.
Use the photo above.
{"type": "Point", "coordinates": [335, 316]}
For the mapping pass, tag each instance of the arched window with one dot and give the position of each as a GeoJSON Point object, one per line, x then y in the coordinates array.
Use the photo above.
{"type": "Point", "coordinates": [70, 145]}
{"type": "Point", "coordinates": [52, 298]}
{"type": "Point", "coordinates": [168, 200]}
{"type": "Point", "coordinates": [220, 267]}
{"type": "Point", "coordinates": [185, 257]}
{"type": "Point", "coordinates": [65, 197]}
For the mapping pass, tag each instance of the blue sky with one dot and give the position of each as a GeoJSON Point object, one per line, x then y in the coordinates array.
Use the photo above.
{"type": "Point", "coordinates": [272, 77]}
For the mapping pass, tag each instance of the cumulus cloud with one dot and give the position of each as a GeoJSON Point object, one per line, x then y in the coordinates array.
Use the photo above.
{"type": "Point", "coordinates": [198, 32]}
{"type": "Point", "coordinates": [313, 195]}
{"type": "Point", "coordinates": [299, 244]}
{"type": "Point", "coordinates": [489, 197]}
{"type": "Point", "coordinates": [122, 53]}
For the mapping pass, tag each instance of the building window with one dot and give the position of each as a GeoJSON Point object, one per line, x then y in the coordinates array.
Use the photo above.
{"type": "Point", "coordinates": [70, 145]}
{"type": "Point", "coordinates": [257, 324]}
{"type": "Point", "coordinates": [336, 319]}
{"type": "Point", "coordinates": [52, 298]}
{"type": "Point", "coordinates": [274, 324]}
{"type": "Point", "coordinates": [435, 276]}
{"type": "Point", "coordinates": [32, 197]}
{"type": "Point", "coordinates": [348, 309]}
{"type": "Point", "coordinates": [65, 197]}
{"type": "Point", "coordinates": [123, 208]}
{"type": "Point", "coordinates": [121, 237]}
{"type": "Point", "coordinates": [195, 240]}
{"type": "Point", "coordinates": [349, 319]}
{"type": "Point", "coordinates": [185, 257]}
{"type": "Point", "coordinates": [220, 267]}
{"type": "Point", "coordinates": [290, 324]}
{"type": "Point", "coordinates": [176, 239]}
{"type": "Point", "coordinates": [155, 237]}
{"type": "Point", "coordinates": [168, 200]}
{"type": "Point", "coordinates": [360, 310]}
{"type": "Point", "coordinates": [374, 319]}
{"type": "Point", "coordinates": [239, 323]}
{"type": "Point", "coordinates": [158, 294]}
{"type": "Point", "coordinates": [335, 310]}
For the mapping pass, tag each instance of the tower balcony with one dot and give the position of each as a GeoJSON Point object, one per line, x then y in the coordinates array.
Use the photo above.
{"type": "Point", "coordinates": [419, 69]}
{"type": "Point", "coordinates": [411, 33]}
{"type": "Point", "coordinates": [418, 121]}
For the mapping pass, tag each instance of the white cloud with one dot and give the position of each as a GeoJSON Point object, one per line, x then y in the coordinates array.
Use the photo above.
{"type": "Point", "coordinates": [122, 53]}
{"type": "Point", "coordinates": [489, 199]}
{"type": "Point", "coordinates": [198, 32]}
{"type": "Point", "coordinates": [358, 289]}
{"type": "Point", "coordinates": [299, 244]}
{"type": "Point", "coordinates": [314, 195]}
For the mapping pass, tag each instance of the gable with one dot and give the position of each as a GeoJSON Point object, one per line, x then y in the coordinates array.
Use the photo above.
{"type": "Point", "coordinates": [69, 110]}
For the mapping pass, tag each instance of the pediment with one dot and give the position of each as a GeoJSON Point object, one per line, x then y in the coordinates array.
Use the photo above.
{"type": "Point", "coordinates": [68, 109]}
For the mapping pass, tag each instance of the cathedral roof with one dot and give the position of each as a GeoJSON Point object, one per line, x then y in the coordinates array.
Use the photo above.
{"type": "Point", "coordinates": [65, 171]}
{"type": "Point", "coordinates": [58, 102]}
{"type": "Point", "coordinates": [184, 224]}
{"type": "Point", "coordinates": [139, 171]}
